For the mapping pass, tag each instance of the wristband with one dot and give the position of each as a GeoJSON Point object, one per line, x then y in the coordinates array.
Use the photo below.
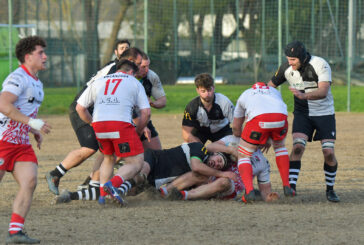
{"type": "Point", "coordinates": [36, 123]}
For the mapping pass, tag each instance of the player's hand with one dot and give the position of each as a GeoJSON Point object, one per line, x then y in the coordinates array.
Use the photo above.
{"type": "Point", "coordinates": [271, 197]}
{"type": "Point", "coordinates": [298, 93]}
{"type": "Point", "coordinates": [147, 133]}
{"type": "Point", "coordinates": [265, 148]}
{"type": "Point", "coordinates": [46, 128]}
{"type": "Point", "coordinates": [38, 137]}
{"type": "Point", "coordinates": [230, 175]}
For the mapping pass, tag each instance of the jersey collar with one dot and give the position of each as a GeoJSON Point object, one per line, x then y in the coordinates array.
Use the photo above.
{"type": "Point", "coordinates": [27, 71]}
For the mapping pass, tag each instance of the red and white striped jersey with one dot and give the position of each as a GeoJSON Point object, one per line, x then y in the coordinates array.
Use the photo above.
{"type": "Point", "coordinates": [29, 90]}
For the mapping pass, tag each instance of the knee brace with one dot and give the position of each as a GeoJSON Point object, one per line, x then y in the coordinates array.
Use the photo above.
{"type": "Point", "coordinates": [300, 141]}
{"type": "Point", "coordinates": [328, 145]}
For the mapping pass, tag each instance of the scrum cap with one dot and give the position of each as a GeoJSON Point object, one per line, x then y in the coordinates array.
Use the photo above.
{"type": "Point", "coordinates": [296, 49]}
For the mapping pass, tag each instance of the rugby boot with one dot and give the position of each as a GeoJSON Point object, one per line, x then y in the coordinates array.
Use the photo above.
{"type": "Point", "coordinates": [101, 200]}
{"type": "Point", "coordinates": [64, 197]}
{"type": "Point", "coordinates": [113, 191]}
{"type": "Point", "coordinates": [85, 184]}
{"type": "Point", "coordinates": [20, 238]}
{"type": "Point", "coordinates": [248, 198]}
{"type": "Point", "coordinates": [174, 195]}
{"type": "Point", "coordinates": [331, 196]}
{"type": "Point", "coordinates": [288, 191]}
{"type": "Point", "coordinates": [53, 183]}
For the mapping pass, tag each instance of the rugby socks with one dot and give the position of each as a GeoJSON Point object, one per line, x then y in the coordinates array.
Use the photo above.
{"type": "Point", "coordinates": [16, 223]}
{"type": "Point", "coordinates": [330, 174]}
{"type": "Point", "coordinates": [282, 161]}
{"type": "Point", "coordinates": [59, 171]}
{"type": "Point", "coordinates": [102, 192]}
{"type": "Point", "coordinates": [163, 190]}
{"type": "Point", "coordinates": [117, 181]}
{"type": "Point", "coordinates": [91, 193]}
{"type": "Point", "coordinates": [294, 170]}
{"type": "Point", "coordinates": [184, 195]}
{"type": "Point", "coordinates": [126, 186]}
{"type": "Point", "coordinates": [246, 173]}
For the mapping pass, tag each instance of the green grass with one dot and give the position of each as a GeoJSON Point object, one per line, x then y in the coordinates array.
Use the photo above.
{"type": "Point", "coordinates": [57, 100]}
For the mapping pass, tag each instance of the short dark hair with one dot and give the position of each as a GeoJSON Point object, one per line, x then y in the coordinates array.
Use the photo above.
{"type": "Point", "coordinates": [145, 56]}
{"type": "Point", "coordinates": [118, 42]}
{"type": "Point", "coordinates": [27, 45]}
{"type": "Point", "coordinates": [204, 80]}
{"type": "Point", "coordinates": [131, 53]}
{"type": "Point", "coordinates": [126, 65]}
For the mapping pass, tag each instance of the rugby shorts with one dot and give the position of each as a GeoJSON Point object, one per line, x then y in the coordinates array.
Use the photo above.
{"type": "Point", "coordinates": [269, 125]}
{"type": "Point", "coordinates": [117, 137]}
{"type": "Point", "coordinates": [316, 127]}
{"type": "Point", "coordinates": [11, 153]}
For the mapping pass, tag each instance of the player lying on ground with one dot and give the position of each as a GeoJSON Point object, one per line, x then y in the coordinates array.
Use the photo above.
{"type": "Point", "coordinates": [163, 166]}
{"type": "Point", "coordinates": [222, 188]}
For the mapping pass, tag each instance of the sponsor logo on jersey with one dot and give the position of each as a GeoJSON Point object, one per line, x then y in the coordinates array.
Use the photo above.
{"type": "Point", "coordinates": [1, 161]}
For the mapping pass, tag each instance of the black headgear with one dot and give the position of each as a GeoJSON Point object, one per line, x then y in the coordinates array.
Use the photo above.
{"type": "Point", "coordinates": [296, 49]}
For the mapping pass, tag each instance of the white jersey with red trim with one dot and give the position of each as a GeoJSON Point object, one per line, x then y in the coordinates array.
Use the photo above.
{"type": "Point", "coordinates": [114, 96]}
{"type": "Point", "coordinates": [29, 90]}
{"type": "Point", "coordinates": [258, 100]}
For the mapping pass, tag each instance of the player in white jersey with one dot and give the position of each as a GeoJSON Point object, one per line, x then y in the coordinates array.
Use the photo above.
{"type": "Point", "coordinates": [20, 99]}
{"type": "Point", "coordinates": [114, 98]}
{"type": "Point", "coordinates": [314, 114]}
{"type": "Point", "coordinates": [266, 115]}
{"type": "Point", "coordinates": [85, 133]}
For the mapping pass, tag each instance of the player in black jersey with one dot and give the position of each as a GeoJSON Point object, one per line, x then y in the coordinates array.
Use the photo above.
{"type": "Point", "coordinates": [157, 99]}
{"type": "Point", "coordinates": [208, 116]}
{"type": "Point", "coordinates": [314, 114]}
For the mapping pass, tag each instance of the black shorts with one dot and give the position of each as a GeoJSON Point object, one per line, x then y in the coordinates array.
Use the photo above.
{"type": "Point", "coordinates": [87, 138]}
{"type": "Point", "coordinates": [318, 127]}
{"type": "Point", "coordinates": [152, 129]}
{"type": "Point", "coordinates": [161, 171]}
{"type": "Point", "coordinates": [84, 132]}
{"type": "Point", "coordinates": [204, 136]}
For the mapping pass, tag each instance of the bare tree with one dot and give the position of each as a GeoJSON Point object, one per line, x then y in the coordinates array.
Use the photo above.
{"type": "Point", "coordinates": [115, 29]}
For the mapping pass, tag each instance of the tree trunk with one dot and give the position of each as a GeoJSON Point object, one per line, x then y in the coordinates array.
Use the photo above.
{"type": "Point", "coordinates": [115, 30]}
{"type": "Point", "coordinates": [92, 46]}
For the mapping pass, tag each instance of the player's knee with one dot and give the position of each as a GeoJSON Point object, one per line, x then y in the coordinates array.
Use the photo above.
{"type": "Point", "coordinates": [328, 150]}
{"type": "Point", "coordinates": [225, 183]}
{"type": "Point", "coordinates": [299, 145]}
{"type": "Point", "coordinates": [31, 183]}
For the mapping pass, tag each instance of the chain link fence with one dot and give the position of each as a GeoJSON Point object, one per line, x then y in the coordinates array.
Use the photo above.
{"type": "Point", "coordinates": [241, 41]}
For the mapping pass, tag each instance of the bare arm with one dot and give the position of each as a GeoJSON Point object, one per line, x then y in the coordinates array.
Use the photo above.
{"type": "Point", "coordinates": [320, 93]}
{"type": "Point", "coordinates": [219, 146]}
{"type": "Point", "coordinates": [7, 108]}
{"type": "Point", "coordinates": [143, 120]}
{"type": "Point", "coordinates": [84, 113]}
{"type": "Point", "coordinates": [158, 103]}
{"type": "Point", "coordinates": [200, 168]}
{"type": "Point", "coordinates": [270, 83]}
{"type": "Point", "coordinates": [188, 136]}
{"type": "Point", "coordinates": [237, 124]}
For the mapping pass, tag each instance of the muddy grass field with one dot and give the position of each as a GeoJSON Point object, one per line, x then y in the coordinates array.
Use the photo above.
{"type": "Point", "coordinates": [306, 219]}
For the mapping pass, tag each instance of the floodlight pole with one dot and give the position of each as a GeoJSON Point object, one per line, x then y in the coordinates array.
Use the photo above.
{"type": "Point", "coordinates": [10, 12]}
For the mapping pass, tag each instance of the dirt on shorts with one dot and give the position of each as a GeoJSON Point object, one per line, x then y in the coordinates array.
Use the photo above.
{"type": "Point", "coordinates": [307, 218]}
